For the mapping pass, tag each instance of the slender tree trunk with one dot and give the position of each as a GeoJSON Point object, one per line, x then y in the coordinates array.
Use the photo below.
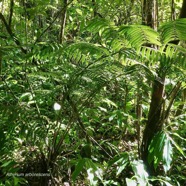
{"type": "Point", "coordinates": [11, 12]}
{"type": "Point", "coordinates": [153, 124]}
{"type": "Point", "coordinates": [138, 116]}
{"type": "Point", "coordinates": [150, 13]}
{"type": "Point", "coordinates": [173, 13]}
{"type": "Point", "coordinates": [155, 14]}
{"type": "Point", "coordinates": [63, 21]}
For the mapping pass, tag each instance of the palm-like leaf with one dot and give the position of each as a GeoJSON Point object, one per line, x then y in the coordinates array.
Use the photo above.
{"type": "Point", "coordinates": [138, 35]}
{"type": "Point", "coordinates": [174, 30]}
{"type": "Point", "coordinates": [86, 49]}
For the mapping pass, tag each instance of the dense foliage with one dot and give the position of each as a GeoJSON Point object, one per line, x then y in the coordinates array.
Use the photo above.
{"type": "Point", "coordinates": [76, 90]}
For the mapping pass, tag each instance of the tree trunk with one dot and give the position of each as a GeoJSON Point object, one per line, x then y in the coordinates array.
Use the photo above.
{"type": "Point", "coordinates": [63, 21]}
{"type": "Point", "coordinates": [138, 116]}
{"type": "Point", "coordinates": [150, 13]}
{"type": "Point", "coordinates": [153, 122]}
{"type": "Point", "coordinates": [173, 12]}
{"type": "Point", "coordinates": [183, 10]}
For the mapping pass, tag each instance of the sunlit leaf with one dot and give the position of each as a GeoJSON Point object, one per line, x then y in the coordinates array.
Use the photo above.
{"type": "Point", "coordinates": [167, 154]}
{"type": "Point", "coordinates": [131, 182]}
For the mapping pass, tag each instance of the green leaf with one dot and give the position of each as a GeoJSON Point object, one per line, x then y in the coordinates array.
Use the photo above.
{"type": "Point", "coordinates": [109, 102]}
{"type": "Point", "coordinates": [86, 48]}
{"type": "Point", "coordinates": [177, 146]}
{"type": "Point", "coordinates": [138, 35]}
{"type": "Point", "coordinates": [121, 161]}
{"type": "Point", "coordinates": [141, 176]}
{"type": "Point", "coordinates": [94, 172]}
{"type": "Point", "coordinates": [8, 164]}
{"type": "Point", "coordinates": [79, 11]}
{"type": "Point", "coordinates": [156, 149]}
{"type": "Point", "coordinates": [160, 149]}
{"type": "Point", "coordinates": [118, 159]}
{"type": "Point", "coordinates": [167, 154]}
{"type": "Point", "coordinates": [26, 97]}
{"type": "Point", "coordinates": [78, 169]}
{"type": "Point", "coordinates": [121, 167]}
{"type": "Point", "coordinates": [173, 30]}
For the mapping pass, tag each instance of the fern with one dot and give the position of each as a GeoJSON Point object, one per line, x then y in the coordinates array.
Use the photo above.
{"type": "Point", "coordinates": [174, 30]}
{"type": "Point", "coordinates": [100, 25]}
{"type": "Point", "coordinates": [138, 35]}
{"type": "Point", "coordinates": [129, 42]}
{"type": "Point", "coordinates": [86, 48]}
{"type": "Point", "coordinates": [124, 36]}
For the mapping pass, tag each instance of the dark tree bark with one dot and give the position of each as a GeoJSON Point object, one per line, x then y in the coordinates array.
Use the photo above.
{"type": "Point", "coordinates": [153, 124]}
{"type": "Point", "coordinates": [11, 12]}
{"type": "Point", "coordinates": [183, 10]}
{"type": "Point", "coordinates": [150, 13]}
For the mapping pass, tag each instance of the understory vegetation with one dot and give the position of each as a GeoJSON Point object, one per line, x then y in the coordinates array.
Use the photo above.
{"type": "Point", "coordinates": [92, 93]}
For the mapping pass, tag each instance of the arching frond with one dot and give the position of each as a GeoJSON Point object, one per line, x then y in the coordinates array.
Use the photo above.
{"type": "Point", "coordinates": [87, 48]}
{"type": "Point", "coordinates": [174, 30]}
{"type": "Point", "coordinates": [126, 35]}
{"type": "Point", "coordinates": [82, 51]}
{"type": "Point", "coordinates": [99, 25]}
{"type": "Point", "coordinates": [106, 30]}
{"type": "Point", "coordinates": [45, 51]}
{"type": "Point", "coordinates": [138, 35]}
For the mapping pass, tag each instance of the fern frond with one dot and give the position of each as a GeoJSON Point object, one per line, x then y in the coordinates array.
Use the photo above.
{"type": "Point", "coordinates": [106, 29]}
{"type": "Point", "coordinates": [45, 51]}
{"type": "Point", "coordinates": [177, 54]}
{"type": "Point", "coordinates": [138, 35]}
{"type": "Point", "coordinates": [88, 49]}
{"type": "Point", "coordinates": [126, 35]}
{"type": "Point", "coordinates": [174, 30]}
{"type": "Point", "coordinates": [97, 25]}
